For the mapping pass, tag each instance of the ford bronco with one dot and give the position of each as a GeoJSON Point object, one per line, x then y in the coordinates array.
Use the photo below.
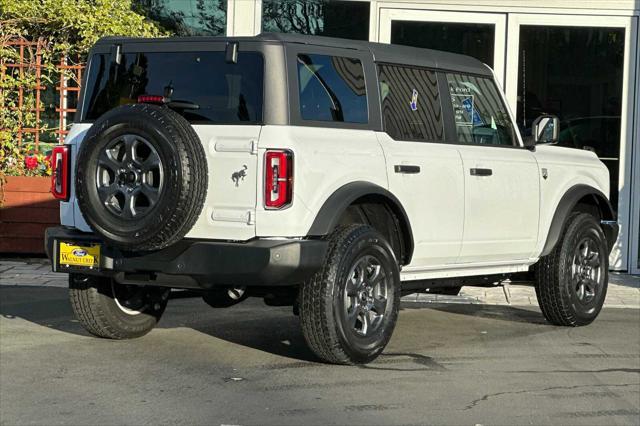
{"type": "Point", "coordinates": [325, 174]}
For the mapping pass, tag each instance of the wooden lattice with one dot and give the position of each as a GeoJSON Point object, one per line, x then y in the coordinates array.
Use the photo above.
{"type": "Point", "coordinates": [30, 60]}
{"type": "Point", "coordinates": [65, 92]}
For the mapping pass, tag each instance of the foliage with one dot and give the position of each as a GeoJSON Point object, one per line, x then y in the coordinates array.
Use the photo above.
{"type": "Point", "coordinates": [63, 29]}
{"type": "Point", "coordinates": [25, 160]}
{"type": "Point", "coordinates": [73, 26]}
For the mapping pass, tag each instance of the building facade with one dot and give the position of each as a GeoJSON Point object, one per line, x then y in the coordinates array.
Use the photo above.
{"type": "Point", "coordinates": [578, 59]}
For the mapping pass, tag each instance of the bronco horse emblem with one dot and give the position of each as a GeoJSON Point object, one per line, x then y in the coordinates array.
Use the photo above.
{"type": "Point", "coordinates": [236, 177]}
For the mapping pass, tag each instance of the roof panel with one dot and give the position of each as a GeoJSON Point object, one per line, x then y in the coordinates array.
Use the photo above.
{"type": "Point", "coordinates": [381, 52]}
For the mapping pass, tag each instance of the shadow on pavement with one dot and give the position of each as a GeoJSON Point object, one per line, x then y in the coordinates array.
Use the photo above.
{"type": "Point", "coordinates": [499, 312]}
{"type": "Point", "coordinates": [273, 330]}
{"type": "Point", "coordinates": [251, 324]}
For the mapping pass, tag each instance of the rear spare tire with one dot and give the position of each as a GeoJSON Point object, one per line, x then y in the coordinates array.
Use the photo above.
{"type": "Point", "coordinates": [141, 177]}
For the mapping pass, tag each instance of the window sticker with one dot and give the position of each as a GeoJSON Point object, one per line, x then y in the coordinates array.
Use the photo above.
{"type": "Point", "coordinates": [414, 100]}
{"type": "Point", "coordinates": [468, 106]}
{"type": "Point", "coordinates": [462, 108]}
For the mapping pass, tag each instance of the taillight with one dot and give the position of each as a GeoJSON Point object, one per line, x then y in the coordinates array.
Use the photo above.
{"type": "Point", "coordinates": [60, 172]}
{"type": "Point", "coordinates": [278, 182]}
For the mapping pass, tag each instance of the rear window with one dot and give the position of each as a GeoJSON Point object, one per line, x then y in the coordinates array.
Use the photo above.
{"type": "Point", "coordinates": [332, 88]}
{"type": "Point", "coordinates": [410, 103]}
{"type": "Point", "coordinates": [209, 89]}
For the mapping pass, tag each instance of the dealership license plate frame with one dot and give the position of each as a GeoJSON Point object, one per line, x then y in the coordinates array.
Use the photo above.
{"type": "Point", "coordinates": [72, 263]}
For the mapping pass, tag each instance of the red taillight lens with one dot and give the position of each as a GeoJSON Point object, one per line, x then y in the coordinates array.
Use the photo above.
{"type": "Point", "coordinates": [278, 182]}
{"type": "Point", "coordinates": [60, 172]}
{"type": "Point", "coordinates": [150, 99]}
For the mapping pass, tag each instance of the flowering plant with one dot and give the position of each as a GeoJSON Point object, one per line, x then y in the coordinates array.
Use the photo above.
{"type": "Point", "coordinates": [25, 160]}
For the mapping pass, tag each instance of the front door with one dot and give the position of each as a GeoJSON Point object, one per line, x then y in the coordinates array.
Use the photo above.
{"type": "Point", "coordinates": [501, 178]}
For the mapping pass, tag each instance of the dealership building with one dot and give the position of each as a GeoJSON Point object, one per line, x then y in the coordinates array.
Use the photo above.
{"type": "Point", "coordinates": [577, 59]}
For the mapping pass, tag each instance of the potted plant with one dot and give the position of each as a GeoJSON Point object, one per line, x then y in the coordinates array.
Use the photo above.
{"type": "Point", "coordinates": [26, 205]}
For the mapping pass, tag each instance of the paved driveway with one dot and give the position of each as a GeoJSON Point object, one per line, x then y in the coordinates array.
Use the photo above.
{"type": "Point", "coordinates": [446, 364]}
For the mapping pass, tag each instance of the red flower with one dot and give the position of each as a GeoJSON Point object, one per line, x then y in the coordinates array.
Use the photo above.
{"type": "Point", "coordinates": [47, 160]}
{"type": "Point", "coordinates": [31, 162]}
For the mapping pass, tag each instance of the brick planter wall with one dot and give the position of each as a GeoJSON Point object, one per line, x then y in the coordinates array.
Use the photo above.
{"type": "Point", "coordinates": [28, 208]}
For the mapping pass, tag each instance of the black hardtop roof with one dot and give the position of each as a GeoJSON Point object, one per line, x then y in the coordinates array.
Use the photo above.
{"type": "Point", "coordinates": [387, 53]}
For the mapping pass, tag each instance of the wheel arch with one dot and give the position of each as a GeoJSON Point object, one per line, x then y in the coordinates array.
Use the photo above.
{"type": "Point", "coordinates": [582, 198]}
{"type": "Point", "coordinates": [334, 208]}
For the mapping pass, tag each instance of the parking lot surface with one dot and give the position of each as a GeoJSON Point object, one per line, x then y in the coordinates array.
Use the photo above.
{"type": "Point", "coordinates": [447, 363]}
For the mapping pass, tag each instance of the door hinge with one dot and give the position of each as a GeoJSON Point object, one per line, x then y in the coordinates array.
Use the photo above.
{"type": "Point", "coordinates": [254, 147]}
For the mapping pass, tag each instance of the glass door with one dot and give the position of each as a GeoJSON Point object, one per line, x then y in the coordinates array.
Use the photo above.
{"type": "Point", "coordinates": [481, 35]}
{"type": "Point", "coordinates": [580, 68]}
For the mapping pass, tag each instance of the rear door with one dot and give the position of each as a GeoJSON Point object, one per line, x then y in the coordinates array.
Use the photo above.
{"type": "Point", "coordinates": [501, 178]}
{"type": "Point", "coordinates": [424, 173]}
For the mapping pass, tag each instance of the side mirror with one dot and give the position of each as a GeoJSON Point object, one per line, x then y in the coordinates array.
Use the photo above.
{"type": "Point", "coordinates": [546, 129]}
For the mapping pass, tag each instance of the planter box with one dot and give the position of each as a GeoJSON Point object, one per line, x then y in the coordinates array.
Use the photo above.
{"type": "Point", "coordinates": [28, 208]}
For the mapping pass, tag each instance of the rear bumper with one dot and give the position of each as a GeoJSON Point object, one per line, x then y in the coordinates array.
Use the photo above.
{"type": "Point", "coordinates": [200, 263]}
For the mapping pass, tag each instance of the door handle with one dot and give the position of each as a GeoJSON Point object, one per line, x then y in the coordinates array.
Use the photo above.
{"type": "Point", "coordinates": [481, 172]}
{"type": "Point", "coordinates": [405, 168]}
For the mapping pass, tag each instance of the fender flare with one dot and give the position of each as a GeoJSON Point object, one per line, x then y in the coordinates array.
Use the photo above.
{"type": "Point", "coordinates": [338, 202]}
{"type": "Point", "coordinates": [566, 205]}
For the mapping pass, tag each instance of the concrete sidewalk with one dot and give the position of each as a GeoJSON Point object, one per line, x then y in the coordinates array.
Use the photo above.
{"type": "Point", "coordinates": [623, 292]}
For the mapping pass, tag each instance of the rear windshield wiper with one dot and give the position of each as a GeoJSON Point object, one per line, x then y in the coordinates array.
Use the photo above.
{"type": "Point", "coordinates": [182, 105]}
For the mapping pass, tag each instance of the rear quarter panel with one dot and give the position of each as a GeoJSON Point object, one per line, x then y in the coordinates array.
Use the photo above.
{"type": "Point", "coordinates": [69, 211]}
{"type": "Point", "coordinates": [324, 160]}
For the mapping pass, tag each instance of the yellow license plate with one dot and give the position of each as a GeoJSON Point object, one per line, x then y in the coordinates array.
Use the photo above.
{"type": "Point", "coordinates": [75, 255]}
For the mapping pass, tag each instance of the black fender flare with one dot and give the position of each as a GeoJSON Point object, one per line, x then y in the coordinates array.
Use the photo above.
{"type": "Point", "coordinates": [567, 204]}
{"type": "Point", "coordinates": [338, 202]}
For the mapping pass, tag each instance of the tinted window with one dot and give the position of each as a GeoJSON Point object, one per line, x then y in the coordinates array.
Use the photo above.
{"type": "Point", "coordinates": [410, 103]}
{"type": "Point", "coordinates": [480, 115]}
{"type": "Point", "coordinates": [346, 19]}
{"type": "Point", "coordinates": [217, 91]}
{"type": "Point", "coordinates": [476, 40]}
{"type": "Point", "coordinates": [332, 88]}
{"type": "Point", "coordinates": [186, 17]}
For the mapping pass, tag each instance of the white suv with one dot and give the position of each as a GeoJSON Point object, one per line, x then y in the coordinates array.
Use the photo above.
{"type": "Point", "coordinates": [329, 175]}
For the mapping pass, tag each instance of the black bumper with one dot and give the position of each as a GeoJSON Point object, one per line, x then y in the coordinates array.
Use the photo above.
{"type": "Point", "coordinates": [200, 263]}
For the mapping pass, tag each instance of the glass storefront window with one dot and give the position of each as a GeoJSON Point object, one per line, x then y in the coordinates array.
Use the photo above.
{"type": "Point", "coordinates": [475, 40]}
{"type": "Point", "coordinates": [345, 19]}
{"type": "Point", "coordinates": [186, 17]}
{"type": "Point", "coordinates": [576, 74]}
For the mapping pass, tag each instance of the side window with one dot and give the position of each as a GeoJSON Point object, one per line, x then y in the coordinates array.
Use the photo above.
{"type": "Point", "coordinates": [410, 103]}
{"type": "Point", "coordinates": [480, 115]}
{"type": "Point", "coordinates": [332, 88]}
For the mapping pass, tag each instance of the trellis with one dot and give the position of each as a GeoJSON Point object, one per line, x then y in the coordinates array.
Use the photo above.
{"type": "Point", "coordinates": [65, 91]}
{"type": "Point", "coordinates": [30, 61]}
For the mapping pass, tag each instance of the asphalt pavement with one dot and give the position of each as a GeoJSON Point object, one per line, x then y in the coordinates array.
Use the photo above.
{"type": "Point", "coordinates": [447, 363]}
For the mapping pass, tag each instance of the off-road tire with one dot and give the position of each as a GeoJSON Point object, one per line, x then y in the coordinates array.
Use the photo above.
{"type": "Point", "coordinates": [184, 188]}
{"type": "Point", "coordinates": [554, 286]}
{"type": "Point", "coordinates": [320, 298]}
{"type": "Point", "coordinates": [93, 303]}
